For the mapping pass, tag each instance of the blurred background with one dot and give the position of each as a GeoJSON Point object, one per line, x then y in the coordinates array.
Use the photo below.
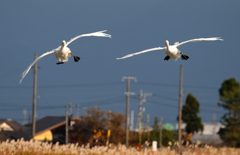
{"type": "Point", "coordinates": [31, 27]}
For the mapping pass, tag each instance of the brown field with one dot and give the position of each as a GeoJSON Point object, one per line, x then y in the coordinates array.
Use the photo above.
{"type": "Point", "coordinates": [22, 147]}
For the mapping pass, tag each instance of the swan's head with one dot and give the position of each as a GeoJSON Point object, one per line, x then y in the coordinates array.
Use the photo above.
{"type": "Point", "coordinates": [167, 43]}
{"type": "Point", "coordinates": [64, 42]}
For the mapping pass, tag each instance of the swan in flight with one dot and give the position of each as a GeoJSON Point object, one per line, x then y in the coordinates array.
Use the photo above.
{"type": "Point", "coordinates": [172, 51]}
{"type": "Point", "coordinates": [63, 52]}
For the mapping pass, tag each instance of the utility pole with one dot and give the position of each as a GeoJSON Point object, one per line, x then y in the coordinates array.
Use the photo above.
{"type": "Point", "coordinates": [70, 106]}
{"type": "Point", "coordinates": [214, 122]}
{"type": "Point", "coordinates": [160, 132]}
{"type": "Point", "coordinates": [68, 119]}
{"type": "Point", "coordinates": [180, 109]}
{"type": "Point", "coordinates": [34, 98]}
{"type": "Point", "coordinates": [109, 127]}
{"type": "Point", "coordinates": [142, 97]}
{"type": "Point", "coordinates": [78, 110]}
{"type": "Point", "coordinates": [132, 120]}
{"type": "Point", "coordinates": [24, 116]}
{"type": "Point", "coordinates": [128, 93]}
{"type": "Point", "coordinates": [148, 131]}
{"type": "Point", "coordinates": [66, 127]}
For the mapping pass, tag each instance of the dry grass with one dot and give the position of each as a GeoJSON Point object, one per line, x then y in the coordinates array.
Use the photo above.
{"type": "Point", "coordinates": [22, 147]}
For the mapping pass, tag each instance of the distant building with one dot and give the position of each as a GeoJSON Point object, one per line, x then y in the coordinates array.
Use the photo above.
{"type": "Point", "coordinates": [209, 135]}
{"type": "Point", "coordinates": [50, 128]}
{"type": "Point", "coordinates": [10, 129]}
{"type": "Point", "coordinates": [10, 125]}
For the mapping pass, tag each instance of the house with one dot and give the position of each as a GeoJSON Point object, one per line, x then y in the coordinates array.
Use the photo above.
{"type": "Point", "coordinates": [50, 128]}
{"type": "Point", "coordinates": [209, 135]}
{"type": "Point", "coordinates": [10, 125]}
{"type": "Point", "coordinates": [10, 129]}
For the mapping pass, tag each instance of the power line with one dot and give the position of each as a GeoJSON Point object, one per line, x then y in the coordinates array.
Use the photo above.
{"type": "Point", "coordinates": [57, 86]}
{"type": "Point", "coordinates": [111, 101]}
{"type": "Point", "coordinates": [175, 106]}
{"type": "Point", "coordinates": [165, 104]}
{"type": "Point", "coordinates": [174, 99]}
{"type": "Point", "coordinates": [164, 97]}
{"type": "Point", "coordinates": [115, 100]}
{"type": "Point", "coordinates": [172, 85]}
{"type": "Point", "coordinates": [103, 100]}
{"type": "Point", "coordinates": [110, 84]}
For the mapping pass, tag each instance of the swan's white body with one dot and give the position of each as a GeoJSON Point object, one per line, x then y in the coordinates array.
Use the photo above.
{"type": "Point", "coordinates": [172, 51]}
{"type": "Point", "coordinates": [62, 53]}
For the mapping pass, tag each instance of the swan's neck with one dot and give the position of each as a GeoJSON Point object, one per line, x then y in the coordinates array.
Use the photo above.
{"type": "Point", "coordinates": [63, 46]}
{"type": "Point", "coordinates": [167, 46]}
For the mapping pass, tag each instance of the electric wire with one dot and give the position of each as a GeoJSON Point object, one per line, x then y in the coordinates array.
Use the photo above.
{"type": "Point", "coordinates": [110, 84]}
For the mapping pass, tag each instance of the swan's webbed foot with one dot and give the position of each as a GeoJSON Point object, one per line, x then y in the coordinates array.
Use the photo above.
{"type": "Point", "coordinates": [60, 63]}
{"type": "Point", "coordinates": [184, 57]}
{"type": "Point", "coordinates": [167, 58]}
{"type": "Point", "coordinates": [76, 58]}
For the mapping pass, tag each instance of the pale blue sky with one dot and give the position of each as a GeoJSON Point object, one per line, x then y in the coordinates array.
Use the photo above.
{"type": "Point", "coordinates": [28, 27]}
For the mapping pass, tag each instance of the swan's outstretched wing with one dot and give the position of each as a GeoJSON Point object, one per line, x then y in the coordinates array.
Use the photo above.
{"type": "Point", "coordinates": [199, 39]}
{"type": "Point", "coordinates": [30, 66]}
{"type": "Point", "coordinates": [148, 50]}
{"type": "Point", "coordinates": [96, 34]}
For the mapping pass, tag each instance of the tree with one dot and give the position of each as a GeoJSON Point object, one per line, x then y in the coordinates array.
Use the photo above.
{"type": "Point", "coordinates": [230, 100]}
{"type": "Point", "coordinates": [168, 136]}
{"type": "Point", "coordinates": [93, 128]}
{"type": "Point", "coordinates": [117, 129]}
{"type": "Point", "coordinates": [89, 126]}
{"type": "Point", "coordinates": [190, 115]}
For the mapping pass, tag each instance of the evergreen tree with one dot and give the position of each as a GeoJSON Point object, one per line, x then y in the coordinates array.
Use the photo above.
{"type": "Point", "coordinates": [230, 100]}
{"type": "Point", "coordinates": [190, 115]}
{"type": "Point", "coordinates": [168, 136]}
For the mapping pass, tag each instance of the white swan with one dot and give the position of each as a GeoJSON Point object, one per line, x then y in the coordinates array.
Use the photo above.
{"type": "Point", "coordinates": [63, 52]}
{"type": "Point", "coordinates": [172, 51]}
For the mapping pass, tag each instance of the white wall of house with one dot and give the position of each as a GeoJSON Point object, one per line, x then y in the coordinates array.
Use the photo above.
{"type": "Point", "coordinates": [209, 134]}
{"type": "Point", "coordinates": [4, 126]}
{"type": "Point", "coordinates": [209, 128]}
